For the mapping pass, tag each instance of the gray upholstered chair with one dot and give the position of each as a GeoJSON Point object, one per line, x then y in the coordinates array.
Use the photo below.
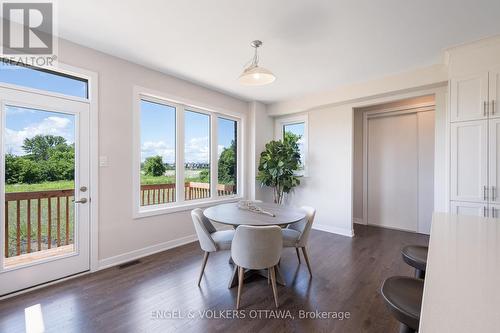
{"type": "Point", "coordinates": [210, 239]}
{"type": "Point", "coordinates": [297, 234]}
{"type": "Point", "coordinates": [256, 248]}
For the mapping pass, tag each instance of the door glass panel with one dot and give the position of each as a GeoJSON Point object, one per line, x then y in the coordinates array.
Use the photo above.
{"type": "Point", "coordinates": [196, 155]}
{"type": "Point", "coordinates": [43, 79]}
{"type": "Point", "coordinates": [39, 148]}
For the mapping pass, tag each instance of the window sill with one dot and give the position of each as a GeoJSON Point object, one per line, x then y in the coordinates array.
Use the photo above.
{"type": "Point", "coordinates": [185, 206]}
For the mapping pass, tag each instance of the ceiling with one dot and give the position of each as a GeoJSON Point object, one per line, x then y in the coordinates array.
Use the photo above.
{"type": "Point", "coordinates": [310, 45]}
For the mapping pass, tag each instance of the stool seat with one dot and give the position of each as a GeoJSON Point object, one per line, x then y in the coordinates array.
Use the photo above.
{"type": "Point", "coordinates": [403, 297]}
{"type": "Point", "coordinates": [415, 256]}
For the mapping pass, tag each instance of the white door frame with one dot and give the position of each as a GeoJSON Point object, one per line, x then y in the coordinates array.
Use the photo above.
{"type": "Point", "coordinates": [421, 107]}
{"type": "Point", "coordinates": [93, 98]}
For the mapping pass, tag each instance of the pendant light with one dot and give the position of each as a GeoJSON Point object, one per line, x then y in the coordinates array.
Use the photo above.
{"type": "Point", "coordinates": [254, 75]}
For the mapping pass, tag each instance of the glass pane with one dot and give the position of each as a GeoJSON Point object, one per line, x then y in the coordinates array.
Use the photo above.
{"type": "Point", "coordinates": [157, 153]}
{"type": "Point", "coordinates": [43, 80]}
{"type": "Point", "coordinates": [39, 184]}
{"type": "Point", "coordinates": [197, 155]}
{"type": "Point", "coordinates": [297, 129]}
{"type": "Point", "coordinates": [227, 151]}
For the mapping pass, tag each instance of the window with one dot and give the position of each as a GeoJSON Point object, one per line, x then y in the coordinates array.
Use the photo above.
{"type": "Point", "coordinates": [296, 126]}
{"type": "Point", "coordinates": [227, 152]}
{"type": "Point", "coordinates": [158, 176]}
{"type": "Point", "coordinates": [196, 155]}
{"type": "Point", "coordinates": [186, 156]}
{"type": "Point", "coordinates": [43, 79]}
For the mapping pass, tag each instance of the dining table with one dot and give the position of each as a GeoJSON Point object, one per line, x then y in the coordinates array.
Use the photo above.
{"type": "Point", "coordinates": [266, 214]}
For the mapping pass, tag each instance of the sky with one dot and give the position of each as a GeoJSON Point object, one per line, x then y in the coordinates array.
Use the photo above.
{"type": "Point", "coordinates": [157, 120]}
{"type": "Point", "coordinates": [21, 123]}
{"type": "Point", "coordinates": [158, 133]}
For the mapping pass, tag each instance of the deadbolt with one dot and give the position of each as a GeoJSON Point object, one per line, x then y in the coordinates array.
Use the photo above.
{"type": "Point", "coordinates": [83, 188]}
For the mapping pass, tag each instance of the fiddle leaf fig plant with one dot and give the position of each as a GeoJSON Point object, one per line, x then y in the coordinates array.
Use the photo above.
{"type": "Point", "coordinates": [278, 165]}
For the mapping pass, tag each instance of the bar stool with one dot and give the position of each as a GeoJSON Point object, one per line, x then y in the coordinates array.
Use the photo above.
{"type": "Point", "coordinates": [416, 257]}
{"type": "Point", "coordinates": [403, 298]}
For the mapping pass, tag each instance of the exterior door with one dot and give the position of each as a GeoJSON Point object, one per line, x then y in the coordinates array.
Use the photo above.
{"type": "Point", "coordinates": [469, 97]}
{"type": "Point", "coordinates": [44, 187]}
{"type": "Point", "coordinates": [468, 208]}
{"type": "Point", "coordinates": [469, 161]}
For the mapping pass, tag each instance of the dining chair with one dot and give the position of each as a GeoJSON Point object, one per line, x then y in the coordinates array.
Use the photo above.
{"type": "Point", "coordinates": [210, 239]}
{"type": "Point", "coordinates": [256, 248]}
{"type": "Point", "coordinates": [297, 234]}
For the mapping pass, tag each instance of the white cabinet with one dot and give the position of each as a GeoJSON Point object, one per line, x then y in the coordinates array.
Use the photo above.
{"type": "Point", "coordinates": [495, 211]}
{"type": "Point", "coordinates": [494, 160]}
{"type": "Point", "coordinates": [494, 92]}
{"type": "Point", "coordinates": [469, 161]}
{"type": "Point", "coordinates": [475, 144]}
{"type": "Point", "coordinates": [468, 208]}
{"type": "Point", "coordinates": [469, 97]}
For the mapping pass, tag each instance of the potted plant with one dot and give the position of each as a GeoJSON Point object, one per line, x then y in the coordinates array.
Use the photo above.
{"type": "Point", "coordinates": [279, 164]}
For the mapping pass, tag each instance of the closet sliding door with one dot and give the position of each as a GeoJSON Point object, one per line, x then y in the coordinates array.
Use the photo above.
{"type": "Point", "coordinates": [400, 170]}
{"type": "Point", "coordinates": [393, 171]}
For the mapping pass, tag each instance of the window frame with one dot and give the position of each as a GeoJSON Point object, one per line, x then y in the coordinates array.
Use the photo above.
{"type": "Point", "coordinates": [182, 105]}
{"type": "Point", "coordinates": [281, 122]}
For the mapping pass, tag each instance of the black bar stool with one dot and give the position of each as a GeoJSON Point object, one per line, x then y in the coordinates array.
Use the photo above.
{"type": "Point", "coordinates": [416, 257]}
{"type": "Point", "coordinates": [403, 298]}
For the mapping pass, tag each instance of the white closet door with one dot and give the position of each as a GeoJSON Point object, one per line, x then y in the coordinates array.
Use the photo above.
{"type": "Point", "coordinates": [425, 170]}
{"type": "Point", "coordinates": [468, 97]}
{"type": "Point", "coordinates": [393, 171]}
{"type": "Point", "coordinates": [494, 160]}
{"type": "Point", "coordinates": [494, 78]}
{"type": "Point", "coordinates": [468, 208]}
{"type": "Point", "coordinates": [469, 161]}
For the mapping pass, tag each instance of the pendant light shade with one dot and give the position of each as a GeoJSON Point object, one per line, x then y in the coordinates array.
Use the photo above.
{"type": "Point", "coordinates": [254, 75]}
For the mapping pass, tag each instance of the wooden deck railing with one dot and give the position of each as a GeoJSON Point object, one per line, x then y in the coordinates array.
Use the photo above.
{"type": "Point", "coordinates": [47, 211]}
{"type": "Point", "coordinates": [36, 221]}
{"type": "Point", "coordinates": [165, 193]}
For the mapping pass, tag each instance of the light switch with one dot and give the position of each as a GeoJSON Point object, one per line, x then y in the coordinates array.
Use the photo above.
{"type": "Point", "coordinates": [103, 161]}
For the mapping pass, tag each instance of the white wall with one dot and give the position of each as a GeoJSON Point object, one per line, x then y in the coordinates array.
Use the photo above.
{"type": "Point", "coordinates": [328, 187]}
{"type": "Point", "coordinates": [120, 236]}
{"type": "Point", "coordinates": [260, 129]}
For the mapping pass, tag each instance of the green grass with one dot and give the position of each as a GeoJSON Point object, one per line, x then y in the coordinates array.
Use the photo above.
{"type": "Point", "coordinates": [46, 186]}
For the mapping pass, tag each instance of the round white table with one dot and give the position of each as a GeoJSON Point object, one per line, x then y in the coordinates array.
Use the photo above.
{"type": "Point", "coordinates": [230, 214]}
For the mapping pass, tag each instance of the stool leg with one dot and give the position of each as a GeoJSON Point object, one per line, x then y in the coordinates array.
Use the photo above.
{"type": "Point", "coordinates": [419, 274]}
{"type": "Point", "coordinates": [405, 329]}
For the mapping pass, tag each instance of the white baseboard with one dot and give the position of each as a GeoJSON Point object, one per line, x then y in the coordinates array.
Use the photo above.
{"type": "Point", "coordinates": [358, 220]}
{"type": "Point", "coordinates": [334, 230]}
{"type": "Point", "coordinates": [149, 250]}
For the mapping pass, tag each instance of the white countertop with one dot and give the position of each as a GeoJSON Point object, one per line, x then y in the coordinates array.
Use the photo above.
{"type": "Point", "coordinates": [462, 281]}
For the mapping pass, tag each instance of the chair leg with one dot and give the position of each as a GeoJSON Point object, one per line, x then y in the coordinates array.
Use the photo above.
{"type": "Point", "coordinates": [240, 286]}
{"type": "Point", "coordinates": [306, 257]}
{"type": "Point", "coordinates": [205, 258]}
{"type": "Point", "coordinates": [298, 253]}
{"type": "Point", "coordinates": [268, 276]}
{"type": "Point", "coordinates": [273, 283]}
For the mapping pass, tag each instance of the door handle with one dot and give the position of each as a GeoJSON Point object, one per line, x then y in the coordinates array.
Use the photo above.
{"type": "Point", "coordinates": [485, 193]}
{"type": "Point", "coordinates": [484, 211]}
{"type": "Point", "coordinates": [484, 109]}
{"type": "Point", "coordinates": [492, 106]}
{"type": "Point", "coordinates": [81, 201]}
{"type": "Point", "coordinates": [493, 213]}
{"type": "Point", "coordinates": [493, 193]}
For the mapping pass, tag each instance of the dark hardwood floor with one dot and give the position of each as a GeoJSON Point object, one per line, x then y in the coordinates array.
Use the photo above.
{"type": "Point", "coordinates": [347, 275]}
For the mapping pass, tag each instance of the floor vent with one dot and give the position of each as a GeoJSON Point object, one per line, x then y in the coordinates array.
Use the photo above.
{"type": "Point", "coordinates": [128, 264]}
